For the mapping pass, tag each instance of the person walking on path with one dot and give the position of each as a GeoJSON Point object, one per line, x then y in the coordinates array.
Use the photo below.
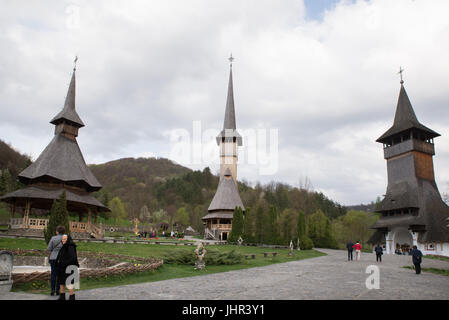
{"type": "Point", "coordinates": [54, 245]}
{"type": "Point", "coordinates": [379, 252]}
{"type": "Point", "coordinates": [67, 257]}
{"type": "Point", "coordinates": [417, 259]}
{"type": "Point", "coordinates": [358, 249]}
{"type": "Point", "coordinates": [350, 248]}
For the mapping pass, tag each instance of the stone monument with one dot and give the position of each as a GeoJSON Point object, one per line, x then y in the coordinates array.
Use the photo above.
{"type": "Point", "coordinates": [297, 246]}
{"type": "Point", "coordinates": [200, 252]}
{"type": "Point", "coordinates": [6, 265]}
{"type": "Point", "coordinates": [240, 241]}
{"type": "Point", "coordinates": [291, 248]}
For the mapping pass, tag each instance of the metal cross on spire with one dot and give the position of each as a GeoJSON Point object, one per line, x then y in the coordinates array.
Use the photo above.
{"type": "Point", "coordinates": [400, 73]}
{"type": "Point", "coordinates": [231, 58]}
{"type": "Point", "coordinates": [76, 59]}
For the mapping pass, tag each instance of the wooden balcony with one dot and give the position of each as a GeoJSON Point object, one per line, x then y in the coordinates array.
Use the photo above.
{"type": "Point", "coordinates": [221, 226]}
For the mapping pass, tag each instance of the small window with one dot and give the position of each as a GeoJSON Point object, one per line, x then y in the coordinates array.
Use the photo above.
{"type": "Point", "coordinates": [430, 246]}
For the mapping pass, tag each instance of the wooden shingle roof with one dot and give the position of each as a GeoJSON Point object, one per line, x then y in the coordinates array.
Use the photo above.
{"type": "Point", "coordinates": [69, 113]}
{"type": "Point", "coordinates": [227, 196]}
{"type": "Point", "coordinates": [63, 161]}
{"type": "Point", "coordinates": [405, 119]}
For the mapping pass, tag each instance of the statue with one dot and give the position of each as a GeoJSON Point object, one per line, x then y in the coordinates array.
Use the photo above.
{"type": "Point", "coordinates": [136, 228]}
{"type": "Point", "coordinates": [200, 252]}
{"type": "Point", "coordinates": [291, 248]}
{"type": "Point", "coordinates": [240, 241]}
{"type": "Point", "coordinates": [297, 246]}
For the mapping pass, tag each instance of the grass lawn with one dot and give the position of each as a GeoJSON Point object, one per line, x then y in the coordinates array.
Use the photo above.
{"type": "Point", "coordinates": [167, 271]}
{"type": "Point", "coordinates": [437, 258]}
{"type": "Point", "coordinates": [443, 272]}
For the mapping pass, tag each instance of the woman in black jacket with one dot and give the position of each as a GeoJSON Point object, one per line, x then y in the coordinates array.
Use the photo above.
{"type": "Point", "coordinates": [67, 257]}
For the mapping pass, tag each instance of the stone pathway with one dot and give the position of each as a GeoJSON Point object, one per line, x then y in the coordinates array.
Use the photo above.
{"type": "Point", "coordinates": [328, 277]}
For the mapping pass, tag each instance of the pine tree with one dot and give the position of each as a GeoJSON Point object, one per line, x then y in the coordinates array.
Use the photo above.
{"type": "Point", "coordinates": [2, 183]}
{"type": "Point", "coordinates": [259, 224]}
{"type": "Point", "coordinates": [58, 216]}
{"type": "Point", "coordinates": [248, 226]}
{"type": "Point", "coordinates": [271, 235]}
{"type": "Point", "coordinates": [237, 225]}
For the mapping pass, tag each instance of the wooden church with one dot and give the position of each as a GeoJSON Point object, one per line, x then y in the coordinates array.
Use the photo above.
{"type": "Point", "coordinates": [412, 211]}
{"type": "Point", "coordinates": [218, 221]}
{"type": "Point", "coordinates": [60, 167]}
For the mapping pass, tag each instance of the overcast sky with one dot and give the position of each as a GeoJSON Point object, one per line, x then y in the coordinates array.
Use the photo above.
{"type": "Point", "coordinates": [321, 73]}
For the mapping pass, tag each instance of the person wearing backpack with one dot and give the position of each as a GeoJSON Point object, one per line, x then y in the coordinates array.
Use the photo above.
{"type": "Point", "coordinates": [417, 259]}
{"type": "Point", "coordinates": [379, 252]}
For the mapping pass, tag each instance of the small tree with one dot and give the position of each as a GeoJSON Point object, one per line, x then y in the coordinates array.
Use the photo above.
{"type": "Point", "coordinates": [305, 243]}
{"type": "Point", "coordinates": [117, 209]}
{"type": "Point", "coordinates": [58, 216]}
{"type": "Point", "coordinates": [237, 225]}
{"type": "Point", "coordinates": [320, 231]}
{"type": "Point", "coordinates": [248, 226]}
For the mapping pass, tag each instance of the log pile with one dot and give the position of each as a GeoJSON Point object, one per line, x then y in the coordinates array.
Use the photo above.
{"type": "Point", "coordinates": [118, 265]}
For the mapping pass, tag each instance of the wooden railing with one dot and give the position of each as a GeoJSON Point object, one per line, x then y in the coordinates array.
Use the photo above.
{"type": "Point", "coordinates": [221, 226]}
{"type": "Point", "coordinates": [209, 234]}
{"type": "Point", "coordinates": [76, 226]}
{"type": "Point", "coordinates": [16, 223]}
{"type": "Point", "coordinates": [41, 224]}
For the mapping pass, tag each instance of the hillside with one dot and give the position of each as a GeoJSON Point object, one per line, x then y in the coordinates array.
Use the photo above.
{"type": "Point", "coordinates": [134, 180]}
{"type": "Point", "coordinates": [363, 207]}
{"type": "Point", "coordinates": [12, 163]}
{"type": "Point", "coordinates": [12, 160]}
{"type": "Point", "coordinates": [160, 184]}
{"type": "Point", "coordinates": [155, 184]}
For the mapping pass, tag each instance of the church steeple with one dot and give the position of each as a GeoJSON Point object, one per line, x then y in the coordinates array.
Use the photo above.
{"type": "Point", "coordinates": [229, 132]}
{"type": "Point", "coordinates": [68, 113]}
{"type": "Point", "coordinates": [229, 120]}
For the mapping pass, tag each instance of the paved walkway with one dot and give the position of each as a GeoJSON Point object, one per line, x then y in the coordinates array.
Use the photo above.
{"type": "Point", "coordinates": [327, 277]}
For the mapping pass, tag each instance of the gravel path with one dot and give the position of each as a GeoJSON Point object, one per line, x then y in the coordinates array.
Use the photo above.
{"type": "Point", "coordinates": [327, 277]}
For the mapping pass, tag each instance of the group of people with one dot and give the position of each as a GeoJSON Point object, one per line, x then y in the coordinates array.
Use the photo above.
{"type": "Point", "coordinates": [351, 247]}
{"type": "Point", "coordinates": [146, 234]}
{"type": "Point", "coordinates": [62, 255]}
{"type": "Point", "coordinates": [414, 252]}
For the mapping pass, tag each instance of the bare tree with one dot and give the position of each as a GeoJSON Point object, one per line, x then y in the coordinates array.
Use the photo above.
{"type": "Point", "coordinates": [305, 183]}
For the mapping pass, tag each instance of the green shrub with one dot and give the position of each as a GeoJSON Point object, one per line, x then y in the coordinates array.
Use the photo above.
{"type": "Point", "coordinates": [305, 243]}
{"type": "Point", "coordinates": [213, 257]}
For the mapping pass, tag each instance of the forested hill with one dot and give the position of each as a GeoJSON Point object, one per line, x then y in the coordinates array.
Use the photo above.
{"type": "Point", "coordinates": [159, 184]}
{"type": "Point", "coordinates": [154, 184]}
{"type": "Point", "coordinates": [12, 160]}
{"type": "Point", "coordinates": [12, 163]}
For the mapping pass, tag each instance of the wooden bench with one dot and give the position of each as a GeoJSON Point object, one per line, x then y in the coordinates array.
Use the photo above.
{"type": "Point", "coordinates": [253, 256]}
{"type": "Point", "coordinates": [265, 254]}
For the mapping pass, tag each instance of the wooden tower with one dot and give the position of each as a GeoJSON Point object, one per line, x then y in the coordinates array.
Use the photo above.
{"type": "Point", "coordinates": [218, 221]}
{"type": "Point", "coordinates": [412, 211]}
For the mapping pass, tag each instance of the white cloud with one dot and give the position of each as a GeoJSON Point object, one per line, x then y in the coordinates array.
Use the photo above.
{"type": "Point", "coordinates": [148, 67]}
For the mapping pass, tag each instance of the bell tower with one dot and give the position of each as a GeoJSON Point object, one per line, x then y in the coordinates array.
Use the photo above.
{"type": "Point", "coordinates": [229, 139]}
{"type": "Point", "coordinates": [412, 211]}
